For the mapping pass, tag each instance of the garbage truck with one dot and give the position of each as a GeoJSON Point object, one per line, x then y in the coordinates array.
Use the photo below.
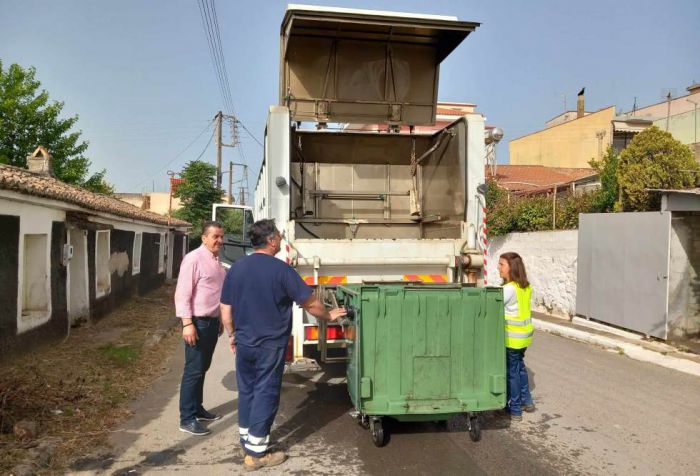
{"type": "Point", "coordinates": [355, 206]}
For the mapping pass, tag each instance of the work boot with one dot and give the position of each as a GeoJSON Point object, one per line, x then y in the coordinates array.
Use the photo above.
{"type": "Point", "coordinates": [251, 463]}
{"type": "Point", "coordinates": [529, 408]}
{"type": "Point", "coordinates": [516, 417]}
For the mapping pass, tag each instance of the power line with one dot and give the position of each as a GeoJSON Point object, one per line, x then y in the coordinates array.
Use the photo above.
{"type": "Point", "coordinates": [205, 147]}
{"type": "Point", "coordinates": [227, 83]}
{"type": "Point", "coordinates": [210, 23]}
{"type": "Point", "coordinates": [250, 133]}
{"type": "Point", "coordinates": [210, 42]}
{"type": "Point", "coordinates": [180, 153]}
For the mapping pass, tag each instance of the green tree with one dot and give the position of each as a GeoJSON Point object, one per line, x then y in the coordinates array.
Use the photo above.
{"type": "Point", "coordinates": [500, 219]}
{"type": "Point", "coordinates": [654, 160]}
{"type": "Point", "coordinates": [604, 199]}
{"type": "Point", "coordinates": [29, 119]}
{"type": "Point", "coordinates": [533, 213]}
{"type": "Point", "coordinates": [197, 193]}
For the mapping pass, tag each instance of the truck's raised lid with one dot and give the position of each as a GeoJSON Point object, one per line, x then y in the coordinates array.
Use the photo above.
{"type": "Point", "coordinates": [364, 66]}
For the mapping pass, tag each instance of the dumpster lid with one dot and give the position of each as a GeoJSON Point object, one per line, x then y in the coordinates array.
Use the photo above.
{"type": "Point", "coordinates": [364, 66]}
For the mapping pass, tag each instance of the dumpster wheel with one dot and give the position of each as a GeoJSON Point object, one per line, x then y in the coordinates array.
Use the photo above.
{"type": "Point", "coordinates": [474, 427]}
{"type": "Point", "coordinates": [363, 421]}
{"type": "Point", "coordinates": [377, 429]}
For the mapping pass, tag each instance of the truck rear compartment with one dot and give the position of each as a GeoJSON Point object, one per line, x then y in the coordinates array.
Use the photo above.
{"type": "Point", "coordinates": [358, 185]}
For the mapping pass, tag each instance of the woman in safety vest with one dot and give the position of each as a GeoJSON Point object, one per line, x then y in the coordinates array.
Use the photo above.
{"type": "Point", "coordinates": [516, 298]}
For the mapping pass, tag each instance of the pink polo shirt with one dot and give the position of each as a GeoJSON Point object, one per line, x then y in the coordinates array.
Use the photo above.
{"type": "Point", "coordinates": [199, 284]}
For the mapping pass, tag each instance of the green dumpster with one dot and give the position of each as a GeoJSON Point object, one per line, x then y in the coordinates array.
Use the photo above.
{"type": "Point", "coordinates": [423, 353]}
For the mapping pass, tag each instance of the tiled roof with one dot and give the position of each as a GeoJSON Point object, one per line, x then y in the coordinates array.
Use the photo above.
{"type": "Point", "coordinates": [530, 177]}
{"type": "Point", "coordinates": [446, 111]}
{"type": "Point", "coordinates": [29, 183]}
{"type": "Point", "coordinates": [686, 191]}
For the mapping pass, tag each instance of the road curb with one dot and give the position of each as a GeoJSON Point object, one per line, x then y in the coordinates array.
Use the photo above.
{"type": "Point", "coordinates": [633, 351]}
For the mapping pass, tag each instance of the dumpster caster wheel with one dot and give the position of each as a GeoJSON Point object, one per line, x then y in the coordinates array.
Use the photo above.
{"type": "Point", "coordinates": [377, 430]}
{"type": "Point", "coordinates": [363, 421]}
{"type": "Point", "coordinates": [474, 428]}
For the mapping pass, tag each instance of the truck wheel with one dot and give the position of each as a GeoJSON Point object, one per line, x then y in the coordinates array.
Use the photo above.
{"type": "Point", "coordinates": [474, 428]}
{"type": "Point", "coordinates": [377, 432]}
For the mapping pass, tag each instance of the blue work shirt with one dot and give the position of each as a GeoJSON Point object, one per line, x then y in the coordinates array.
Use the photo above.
{"type": "Point", "coordinates": [261, 290]}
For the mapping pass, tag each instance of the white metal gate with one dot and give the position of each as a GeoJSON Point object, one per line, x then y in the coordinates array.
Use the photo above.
{"type": "Point", "coordinates": [623, 268]}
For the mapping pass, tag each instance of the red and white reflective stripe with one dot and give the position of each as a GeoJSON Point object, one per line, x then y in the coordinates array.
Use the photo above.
{"type": "Point", "coordinates": [426, 278]}
{"type": "Point", "coordinates": [326, 280]}
{"type": "Point", "coordinates": [486, 246]}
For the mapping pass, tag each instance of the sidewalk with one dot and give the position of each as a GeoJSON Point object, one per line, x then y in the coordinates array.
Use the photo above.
{"type": "Point", "coordinates": [632, 345]}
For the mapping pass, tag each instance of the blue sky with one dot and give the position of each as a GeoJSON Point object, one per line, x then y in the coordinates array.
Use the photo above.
{"type": "Point", "coordinates": [139, 74]}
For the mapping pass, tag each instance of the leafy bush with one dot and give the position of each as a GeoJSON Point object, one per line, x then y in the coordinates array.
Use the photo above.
{"type": "Point", "coordinates": [654, 159]}
{"type": "Point", "coordinates": [605, 199]}
{"type": "Point", "coordinates": [534, 213]}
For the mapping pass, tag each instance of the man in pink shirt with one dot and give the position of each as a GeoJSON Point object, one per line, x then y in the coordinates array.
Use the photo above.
{"type": "Point", "coordinates": [197, 304]}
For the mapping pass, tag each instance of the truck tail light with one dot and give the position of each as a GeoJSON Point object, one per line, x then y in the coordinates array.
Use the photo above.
{"type": "Point", "coordinates": [332, 333]}
{"type": "Point", "coordinates": [311, 332]}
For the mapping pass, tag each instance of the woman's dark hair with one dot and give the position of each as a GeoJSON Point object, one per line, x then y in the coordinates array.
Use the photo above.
{"type": "Point", "coordinates": [517, 269]}
{"type": "Point", "coordinates": [261, 231]}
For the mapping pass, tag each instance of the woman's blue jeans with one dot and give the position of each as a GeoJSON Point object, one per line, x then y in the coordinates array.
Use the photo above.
{"type": "Point", "coordinates": [518, 386]}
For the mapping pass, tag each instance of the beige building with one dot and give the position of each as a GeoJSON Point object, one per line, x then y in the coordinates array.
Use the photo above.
{"type": "Point", "coordinates": [156, 202]}
{"type": "Point", "coordinates": [573, 138]}
{"type": "Point", "coordinates": [679, 116]}
{"type": "Point", "coordinates": [568, 143]}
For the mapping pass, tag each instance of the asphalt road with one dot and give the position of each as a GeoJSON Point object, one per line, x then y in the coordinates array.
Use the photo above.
{"type": "Point", "coordinates": [598, 413]}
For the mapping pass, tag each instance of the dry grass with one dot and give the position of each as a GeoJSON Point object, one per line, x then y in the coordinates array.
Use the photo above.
{"type": "Point", "coordinates": [78, 390]}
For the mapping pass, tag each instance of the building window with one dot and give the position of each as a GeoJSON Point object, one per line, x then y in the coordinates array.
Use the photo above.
{"type": "Point", "coordinates": [136, 254]}
{"type": "Point", "coordinates": [162, 251]}
{"type": "Point", "coordinates": [103, 278]}
{"type": "Point", "coordinates": [36, 297]}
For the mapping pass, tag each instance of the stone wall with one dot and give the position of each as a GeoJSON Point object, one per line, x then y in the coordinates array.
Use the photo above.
{"type": "Point", "coordinates": [550, 259]}
{"type": "Point", "coordinates": [684, 279]}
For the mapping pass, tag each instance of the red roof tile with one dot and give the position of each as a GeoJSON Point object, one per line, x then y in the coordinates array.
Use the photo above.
{"type": "Point", "coordinates": [23, 181]}
{"type": "Point", "coordinates": [530, 177]}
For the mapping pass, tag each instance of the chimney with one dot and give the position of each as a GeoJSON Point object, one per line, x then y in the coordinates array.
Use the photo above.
{"type": "Point", "coordinates": [40, 162]}
{"type": "Point", "coordinates": [580, 107]}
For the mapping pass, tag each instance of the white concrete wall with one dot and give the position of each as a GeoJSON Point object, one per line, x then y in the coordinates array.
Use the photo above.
{"type": "Point", "coordinates": [33, 219]}
{"type": "Point", "coordinates": [550, 259]}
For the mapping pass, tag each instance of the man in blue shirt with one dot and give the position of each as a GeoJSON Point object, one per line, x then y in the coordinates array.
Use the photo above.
{"type": "Point", "coordinates": [258, 294]}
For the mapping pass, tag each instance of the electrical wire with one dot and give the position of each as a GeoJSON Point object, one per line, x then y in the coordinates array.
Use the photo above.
{"type": "Point", "coordinates": [205, 147]}
{"type": "Point", "coordinates": [180, 153]}
{"type": "Point", "coordinates": [210, 23]}
{"type": "Point", "coordinates": [250, 133]}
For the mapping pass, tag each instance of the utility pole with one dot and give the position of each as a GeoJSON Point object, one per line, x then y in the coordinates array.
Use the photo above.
{"type": "Point", "coordinates": [219, 145]}
{"type": "Point", "coordinates": [244, 186]}
{"type": "Point", "coordinates": [230, 183]}
{"type": "Point", "coordinates": [171, 174]}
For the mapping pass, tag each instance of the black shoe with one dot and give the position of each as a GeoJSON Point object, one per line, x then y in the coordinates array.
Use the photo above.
{"type": "Point", "coordinates": [204, 415]}
{"type": "Point", "coordinates": [194, 428]}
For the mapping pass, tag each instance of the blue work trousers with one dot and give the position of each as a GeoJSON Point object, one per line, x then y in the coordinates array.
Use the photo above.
{"type": "Point", "coordinates": [259, 373]}
{"type": "Point", "coordinates": [197, 362]}
{"type": "Point", "coordinates": [518, 385]}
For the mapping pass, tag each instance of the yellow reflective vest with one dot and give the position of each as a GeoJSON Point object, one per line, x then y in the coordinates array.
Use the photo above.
{"type": "Point", "coordinates": [519, 327]}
